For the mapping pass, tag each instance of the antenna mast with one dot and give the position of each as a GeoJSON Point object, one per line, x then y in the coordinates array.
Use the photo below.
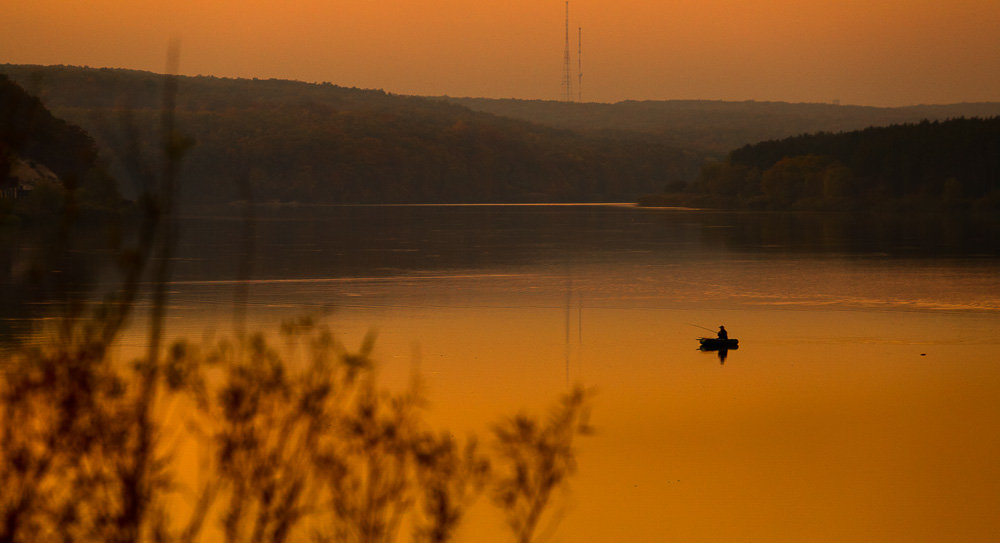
{"type": "Point", "coordinates": [579, 63]}
{"type": "Point", "coordinates": [567, 79]}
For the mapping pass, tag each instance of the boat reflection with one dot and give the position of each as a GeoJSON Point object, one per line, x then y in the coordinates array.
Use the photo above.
{"type": "Point", "coordinates": [720, 347]}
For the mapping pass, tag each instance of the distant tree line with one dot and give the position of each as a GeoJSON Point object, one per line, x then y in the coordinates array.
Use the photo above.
{"type": "Point", "coordinates": [287, 141]}
{"type": "Point", "coordinates": [935, 165]}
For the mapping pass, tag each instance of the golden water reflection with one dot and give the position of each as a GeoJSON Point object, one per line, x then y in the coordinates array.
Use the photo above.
{"type": "Point", "coordinates": [812, 441]}
{"type": "Point", "coordinates": [826, 425]}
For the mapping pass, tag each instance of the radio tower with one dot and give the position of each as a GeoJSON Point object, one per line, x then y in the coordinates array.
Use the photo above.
{"type": "Point", "coordinates": [579, 63]}
{"type": "Point", "coordinates": [567, 79]}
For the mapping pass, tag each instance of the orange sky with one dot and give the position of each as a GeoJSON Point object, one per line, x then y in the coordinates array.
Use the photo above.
{"type": "Point", "coordinates": [871, 52]}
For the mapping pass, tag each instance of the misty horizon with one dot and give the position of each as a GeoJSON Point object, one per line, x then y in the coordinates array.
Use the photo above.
{"type": "Point", "coordinates": [834, 102]}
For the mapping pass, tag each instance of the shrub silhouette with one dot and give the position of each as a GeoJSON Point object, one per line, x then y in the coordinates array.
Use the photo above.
{"type": "Point", "coordinates": [536, 460]}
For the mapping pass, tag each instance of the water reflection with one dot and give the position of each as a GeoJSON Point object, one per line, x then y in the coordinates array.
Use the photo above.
{"type": "Point", "coordinates": [336, 242]}
{"type": "Point", "coordinates": [921, 235]}
{"type": "Point", "coordinates": [838, 416]}
{"type": "Point", "coordinates": [721, 351]}
{"type": "Point", "coordinates": [51, 269]}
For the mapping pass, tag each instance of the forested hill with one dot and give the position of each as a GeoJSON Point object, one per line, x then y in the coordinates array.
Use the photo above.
{"type": "Point", "coordinates": [715, 126]}
{"type": "Point", "coordinates": [948, 165]}
{"type": "Point", "coordinates": [275, 140]}
{"type": "Point", "coordinates": [45, 156]}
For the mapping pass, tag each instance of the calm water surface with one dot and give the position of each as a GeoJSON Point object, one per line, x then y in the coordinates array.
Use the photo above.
{"type": "Point", "coordinates": [862, 405]}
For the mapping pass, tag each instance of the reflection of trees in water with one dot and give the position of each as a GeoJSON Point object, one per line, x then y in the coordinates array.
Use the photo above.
{"type": "Point", "coordinates": [386, 241]}
{"type": "Point", "coordinates": [295, 441]}
{"type": "Point", "coordinates": [931, 235]}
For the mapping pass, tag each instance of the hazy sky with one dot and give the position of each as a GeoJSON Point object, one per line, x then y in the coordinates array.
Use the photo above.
{"type": "Point", "coordinates": [872, 52]}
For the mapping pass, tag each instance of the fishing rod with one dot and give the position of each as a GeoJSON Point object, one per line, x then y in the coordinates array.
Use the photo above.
{"type": "Point", "coordinates": [702, 327]}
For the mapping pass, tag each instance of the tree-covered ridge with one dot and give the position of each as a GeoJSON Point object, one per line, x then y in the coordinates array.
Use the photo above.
{"type": "Point", "coordinates": [274, 140]}
{"type": "Point", "coordinates": [952, 164]}
{"type": "Point", "coordinates": [712, 126]}
{"type": "Point", "coordinates": [32, 141]}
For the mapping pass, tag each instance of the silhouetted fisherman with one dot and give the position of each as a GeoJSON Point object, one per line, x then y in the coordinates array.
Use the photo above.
{"type": "Point", "coordinates": [723, 334]}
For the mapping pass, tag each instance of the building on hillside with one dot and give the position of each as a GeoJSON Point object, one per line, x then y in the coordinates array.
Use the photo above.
{"type": "Point", "coordinates": [24, 176]}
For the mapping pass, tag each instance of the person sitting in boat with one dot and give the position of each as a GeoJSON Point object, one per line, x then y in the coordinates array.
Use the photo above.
{"type": "Point", "coordinates": [723, 334]}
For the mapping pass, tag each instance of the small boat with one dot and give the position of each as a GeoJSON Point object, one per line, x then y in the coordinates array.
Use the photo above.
{"type": "Point", "coordinates": [715, 344]}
